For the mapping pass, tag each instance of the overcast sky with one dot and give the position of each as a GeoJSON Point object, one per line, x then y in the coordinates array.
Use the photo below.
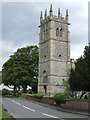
{"type": "Point", "coordinates": [20, 21]}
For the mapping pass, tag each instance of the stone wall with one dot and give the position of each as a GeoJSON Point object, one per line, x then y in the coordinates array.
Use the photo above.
{"type": "Point", "coordinates": [77, 105]}
{"type": "Point", "coordinates": [48, 100]}
{"type": "Point", "coordinates": [74, 105]}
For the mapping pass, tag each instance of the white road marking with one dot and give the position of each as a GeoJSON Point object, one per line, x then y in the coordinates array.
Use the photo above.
{"type": "Point", "coordinates": [33, 109]}
{"type": "Point", "coordinates": [49, 115]}
{"type": "Point", "coordinates": [13, 101]}
{"type": "Point", "coordinates": [28, 108]}
{"type": "Point", "coordinates": [17, 103]}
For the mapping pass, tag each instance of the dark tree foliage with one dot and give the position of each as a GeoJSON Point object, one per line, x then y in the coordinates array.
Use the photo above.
{"type": "Point", "coordinates": [80, 76]}
{"type": "Point", "coordinates": [22, 68]}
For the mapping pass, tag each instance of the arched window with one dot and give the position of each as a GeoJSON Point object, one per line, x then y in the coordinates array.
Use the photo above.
{"type": "Point", "coordinates": [61, 32]}
{"type": "Point", "coordinates": [57, 32]}
{"type": "Point", "coordinates": [45, 81]}
{"type": "Point", "coordinates": [44, 34]}
{"type": "Point", "coordinates": [44, 76]}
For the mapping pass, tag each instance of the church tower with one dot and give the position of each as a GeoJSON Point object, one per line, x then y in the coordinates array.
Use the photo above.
{"type": "Point", "coordinates": [54, 52]}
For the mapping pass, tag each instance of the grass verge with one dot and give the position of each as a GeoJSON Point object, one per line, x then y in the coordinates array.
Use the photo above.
{"type": "Point", "coordinates": [4, 115]}
{"type": "Point", "coordinates": [0, 113]}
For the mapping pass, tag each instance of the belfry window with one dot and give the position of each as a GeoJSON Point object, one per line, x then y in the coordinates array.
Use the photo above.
{"type": "Point", "coordinates": [57, 32]}
{"type": "Point", "coordinates": [61, 32]}
{"type": "Point", "coordinates": [44, 34]}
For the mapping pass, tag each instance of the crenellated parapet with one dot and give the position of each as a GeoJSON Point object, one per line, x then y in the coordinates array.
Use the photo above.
{"type": "Point", "coordinates": [59, 18]}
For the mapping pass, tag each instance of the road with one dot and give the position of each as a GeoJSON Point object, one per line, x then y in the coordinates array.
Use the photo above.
{"type": "Point", "coordinates": [19, 108]}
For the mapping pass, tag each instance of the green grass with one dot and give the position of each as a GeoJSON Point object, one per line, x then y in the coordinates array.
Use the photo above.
{"type": "Point", "coordinates": [0, 113]}
{"type": "Point", "coordinates": [22, 98]}
{"type": "Point", "coordinates": [4, 115]}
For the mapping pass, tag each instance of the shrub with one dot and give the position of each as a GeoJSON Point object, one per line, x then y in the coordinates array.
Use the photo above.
{"type": "Point", "coordinates": [68, 97]}
{"type": "Point", "coordinates": [60, 98]}
{"type": "Point", "coordinates": [39, 95]}
{"type": "Point", "coordinates": [6, 92]}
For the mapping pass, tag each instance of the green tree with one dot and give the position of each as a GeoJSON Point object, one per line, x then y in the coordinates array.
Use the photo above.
{"type": "Point", "coordinates": [22, 68]}
{"type": "Point", "coordinates": [80, 76]}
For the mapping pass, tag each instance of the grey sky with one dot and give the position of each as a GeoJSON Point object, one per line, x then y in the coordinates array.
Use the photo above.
{"type": "Point", "coordinates": [20, 21]}
{"type": "Point", "coordinates": [89, 22]}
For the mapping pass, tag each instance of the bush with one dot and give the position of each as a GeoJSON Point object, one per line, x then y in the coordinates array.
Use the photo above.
{"type": "Point", "coordinates": [68, 97]}
{"type": "Point", "coordinates": [39, 95]}
{"type": "Point", "coordinates": [6, 92]}
{"type": "Point", "coordinates": [60, 98]}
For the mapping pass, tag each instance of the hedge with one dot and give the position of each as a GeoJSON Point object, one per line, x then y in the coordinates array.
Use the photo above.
{"type": "Point", "coordinates": [39, 95]}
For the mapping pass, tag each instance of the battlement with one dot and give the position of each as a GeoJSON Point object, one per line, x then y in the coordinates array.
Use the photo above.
{"type": "Point", "coordinates": [58, 18]}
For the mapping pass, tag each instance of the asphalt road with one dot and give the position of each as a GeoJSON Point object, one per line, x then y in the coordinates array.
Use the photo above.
{"type": "Point", "coordinates": [27, 109]}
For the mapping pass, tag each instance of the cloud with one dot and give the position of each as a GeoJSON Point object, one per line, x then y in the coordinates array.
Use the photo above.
{"type": "Point", "coordinates": [89, 22]}
{"type": "Point", "coordinates": [69, 1]}
{"type": "Point", "coordinates": [0, 21]}
{"type": "Point", "coordinates": [20, 21]}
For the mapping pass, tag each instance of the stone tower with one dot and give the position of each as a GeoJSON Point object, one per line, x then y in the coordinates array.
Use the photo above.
{"type": "Point", "coordinates": [54, 52]}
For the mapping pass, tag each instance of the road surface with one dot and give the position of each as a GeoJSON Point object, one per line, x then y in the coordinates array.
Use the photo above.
{"type": "Point", "coordinates": [19, 108]}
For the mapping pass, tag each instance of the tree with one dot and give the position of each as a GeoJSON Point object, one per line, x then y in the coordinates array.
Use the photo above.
{"type": "Point", "coordinates": [80, 76]}
{"type": "Point", "coordinates": [22, 68]}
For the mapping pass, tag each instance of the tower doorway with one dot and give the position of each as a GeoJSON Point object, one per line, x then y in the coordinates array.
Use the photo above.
{"type": "Point", "coordinates": [45, 89]}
